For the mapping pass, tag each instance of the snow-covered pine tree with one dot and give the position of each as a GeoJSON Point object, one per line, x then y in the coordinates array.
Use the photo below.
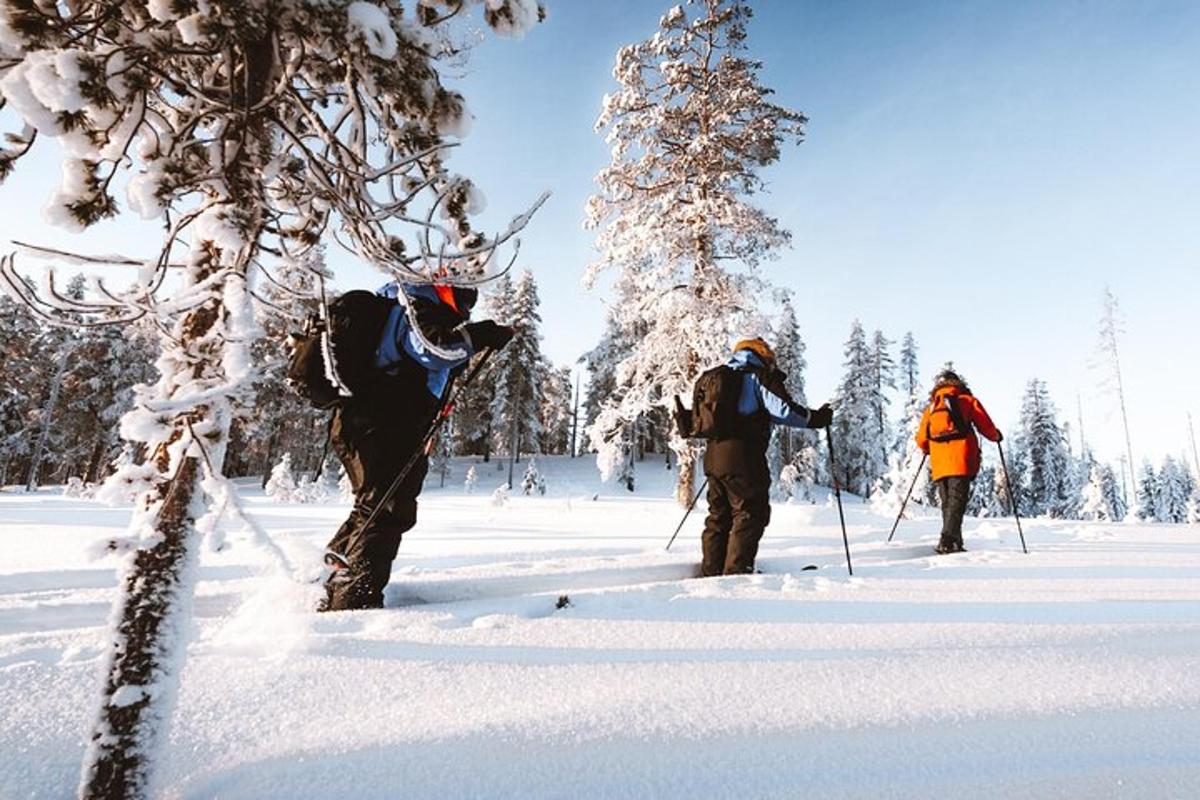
{"type": "Point", "coordinates": [690, 126]}
{"type": "Point", "coordinates": [910, 374]}
{"type": "Point", "coordinates": [790, 359]}
{"type": "Point", "coordinates": [555, 412]}
{"type": "Point", "coordinates": [905, 457]}
{"type": "Point", "coordinates": [249, 128]}
{"type": "Point", "coordinates": [439, 459]}
{"type": "Point", "coordinates": [97, 390]}
{"type": "Point", "coordinates": [1040, 450]}
{"type": "Point", "coordinates": [517, 402]}
{"type": "Point", "coordinates": [1101, 496]}
{"type": "Point", "coordinates": [856, 424]}
{"type": "Point", "coordinates": [473, 421]}
{"type": "Point", "coordinates": [883, 373]}
{"type": "Point", "coordinates": [1146, 506]}
{"type": "Point", "coordinates": [281, 486]}
{"type": "Point", "coordinates": [1172, 491]}
{"type": "Point", "coordinates": [23, 369]}
{"type": "Point", "coordinates": [58, 345]}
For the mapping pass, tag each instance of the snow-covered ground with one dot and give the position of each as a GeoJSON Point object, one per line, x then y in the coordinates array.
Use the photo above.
{"type": "Point", "coordinates": [1073, 671]}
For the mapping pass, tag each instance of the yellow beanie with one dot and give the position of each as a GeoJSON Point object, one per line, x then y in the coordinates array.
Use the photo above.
{"type": "Point", "coordinates": [758, 347]}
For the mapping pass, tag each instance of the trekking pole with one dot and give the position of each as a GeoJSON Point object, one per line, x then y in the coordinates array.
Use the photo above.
{"type": "Point", "coordinates": [837, 492]}
{"type": "Point", "coordinates": [435, 425]}
{"type": "Point", "coordinates": [903, 505]}
{"type": "Point", "coordinates": [1012, 498]}
{"type": "Point", "coordinates": [689, 511]}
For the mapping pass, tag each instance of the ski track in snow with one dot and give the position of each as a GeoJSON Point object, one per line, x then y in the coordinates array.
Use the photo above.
{"type": "Point", "coordinates": [1073, 671]}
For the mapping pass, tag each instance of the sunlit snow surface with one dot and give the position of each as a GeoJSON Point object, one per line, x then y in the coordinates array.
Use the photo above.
{"type": "Point", "coordinates": [1070, 672]}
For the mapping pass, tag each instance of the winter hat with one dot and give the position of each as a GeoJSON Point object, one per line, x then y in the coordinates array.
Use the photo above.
{"type": "Point", "coordinates": [757, 346]}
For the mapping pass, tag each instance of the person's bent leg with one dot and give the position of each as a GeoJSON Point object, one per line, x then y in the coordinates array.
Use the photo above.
{"type": "Point", "coordinates": [715, 539]}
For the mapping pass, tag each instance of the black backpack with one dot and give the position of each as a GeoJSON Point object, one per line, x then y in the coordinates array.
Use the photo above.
{"type": "Point", "coordinates": [334, 358]}
{"type": "Point", "coordinates": [714, 403]}
{"type": "Point", "coordinates": [947, 420]}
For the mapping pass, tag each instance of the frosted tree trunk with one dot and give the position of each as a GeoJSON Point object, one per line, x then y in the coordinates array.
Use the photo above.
{"type": "Point", "coordinates": [153, 610]}
{"type": "Point", "coordinates": [150, 636]}
{"type": "Point", "coordinates": [1110, 328]}
{"type": "Point", "coordinates": [1195, 454]}
{"type": "Point", "coordinates": [39, 449]}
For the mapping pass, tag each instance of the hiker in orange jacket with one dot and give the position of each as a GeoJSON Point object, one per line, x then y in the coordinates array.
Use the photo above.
{"type": "Point", "coordinates": [947, 435]}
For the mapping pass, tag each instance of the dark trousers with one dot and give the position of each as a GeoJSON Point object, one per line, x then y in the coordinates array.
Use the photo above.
{"type": "Point", "coordinates": [739, 509]}
{"type": "Point", "coordinates": [953, 494]}
{"type": "Point", "coordinates": [373, 456]}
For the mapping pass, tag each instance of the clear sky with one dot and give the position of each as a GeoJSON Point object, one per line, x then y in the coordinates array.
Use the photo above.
{"type": "Point", "coordinates": [973, 172]}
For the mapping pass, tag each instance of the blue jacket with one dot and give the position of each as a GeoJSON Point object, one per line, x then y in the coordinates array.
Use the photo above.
{"type": "Point", "coordinates": [756, 397]}
{"type": "Point", "coordinates": [402, 339]}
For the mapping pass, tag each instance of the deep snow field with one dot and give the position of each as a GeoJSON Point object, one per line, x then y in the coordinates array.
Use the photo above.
{"type": "Point", "coordinates": [1071, 672]}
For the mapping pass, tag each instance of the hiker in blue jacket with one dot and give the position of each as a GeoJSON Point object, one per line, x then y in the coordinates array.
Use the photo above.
{"type": "Point", "coordinates": [426, 341]}
{"type": "Point", "coordinates": [735, 461]}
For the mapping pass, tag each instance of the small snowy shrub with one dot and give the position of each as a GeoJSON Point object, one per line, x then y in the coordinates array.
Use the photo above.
{"type": "Point", "coordinates": [533, 480]}
{"type": "Point", "coordinates": [500, 496]}
{"type": "Point", "coordinates": [281, 486]}
{"type": "Point", "coordinates": [77, 488]}
{"type": "Point", "coordinates": [470, 480]}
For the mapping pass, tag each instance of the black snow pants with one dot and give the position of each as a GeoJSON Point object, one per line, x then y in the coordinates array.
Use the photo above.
{"type": "Point", "coordinates": [373, 451]}
{"type": "Point", "coordinates": [953, 494]}
{"type": "Point", "coordinates": [739, 509]}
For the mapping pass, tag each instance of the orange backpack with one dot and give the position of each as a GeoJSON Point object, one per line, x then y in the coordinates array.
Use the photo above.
{"type": "Point", "coordinates": [946, 421]}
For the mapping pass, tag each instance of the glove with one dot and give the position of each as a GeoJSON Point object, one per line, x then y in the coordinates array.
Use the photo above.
{"type": "Point", "coordinates": [821, 417]}
{"type": "Point", "coordinates": [999, 437]}
{"type": "Point", "coordinates": [683, 419]}
{"type": "Point", "coordinates": [487, 334]}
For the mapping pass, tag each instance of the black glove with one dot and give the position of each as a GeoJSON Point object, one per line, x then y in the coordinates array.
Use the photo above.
{"type": "Point", "coordinates": [487, 334]}
{"type": "Point", "coordinates": [683, 419]}
{"type": "Point", "coordinates": [999, 437]}
{"type": "Point", "coordinates": [820, 417]}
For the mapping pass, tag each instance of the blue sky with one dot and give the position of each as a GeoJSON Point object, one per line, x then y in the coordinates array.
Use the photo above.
{"type": "Point", "coordinates": [973, 172]}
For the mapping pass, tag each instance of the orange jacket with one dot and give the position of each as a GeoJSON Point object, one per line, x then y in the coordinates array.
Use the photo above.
{"type": "Point", "coordinates": [953, 457]}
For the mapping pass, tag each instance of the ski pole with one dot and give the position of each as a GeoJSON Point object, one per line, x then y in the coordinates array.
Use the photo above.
{"type": "Point", "coordinates": [904, 505]}
{"type": "Point", "coordinates": [837, 492]}
{"type": "Point", "coordinates": [439, 419]}
{"type": "Point", "coordinates": [695, 499]}
{"type": "Point", "coordinates": [1012, 498]}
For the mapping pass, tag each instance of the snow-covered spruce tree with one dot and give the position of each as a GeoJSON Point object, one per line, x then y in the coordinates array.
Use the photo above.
{"type": "Point", "coordinates": [517, 402]}
{"type": "Point", "coordinates": [1044, 463]}
{"type": "Point", "coordinates": [602, 390]}
{"type": "Point", "coordinates": [909, 372]}
{"type": "Point", "coordinates": [1101, 497]}
{"type": "Point", "coordinates": [281, 486]}
{"type": "Point", "coordinates": [883, 373]}
{"type": "Point", "coordinates": [856, 423]}
{"type": "Point", "coordinates": [24, 369]}
{"type": "Point", "coordinates": [443, 450]}
{"type": "Point", "coordinates": [1172, 491]}
{"type": "Point", "coordinates": [1145, 507]}
{"type": "Point", "coordinates": [690, 126]}
{"type": "Point", "coordinates": [1111, 328]}
{"type": "Point", "coordinates": [58, 348]}
{"type": "Point", "coordinates": [96, 391]}
{"type": "Point", "coordinates": [555, 412]}
{"type": "Point", "coordinates": [473, 422]}
{"type": "Point", "coordinates": [790, 360]}
{"type": "Point", "coordinates": [905, 457]}
{"type": "Point", "coordinates": [249, 128]}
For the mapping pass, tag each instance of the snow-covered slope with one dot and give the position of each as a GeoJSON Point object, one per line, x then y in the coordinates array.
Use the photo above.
{"type": "Point", "coordinates": [1073, 671]}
